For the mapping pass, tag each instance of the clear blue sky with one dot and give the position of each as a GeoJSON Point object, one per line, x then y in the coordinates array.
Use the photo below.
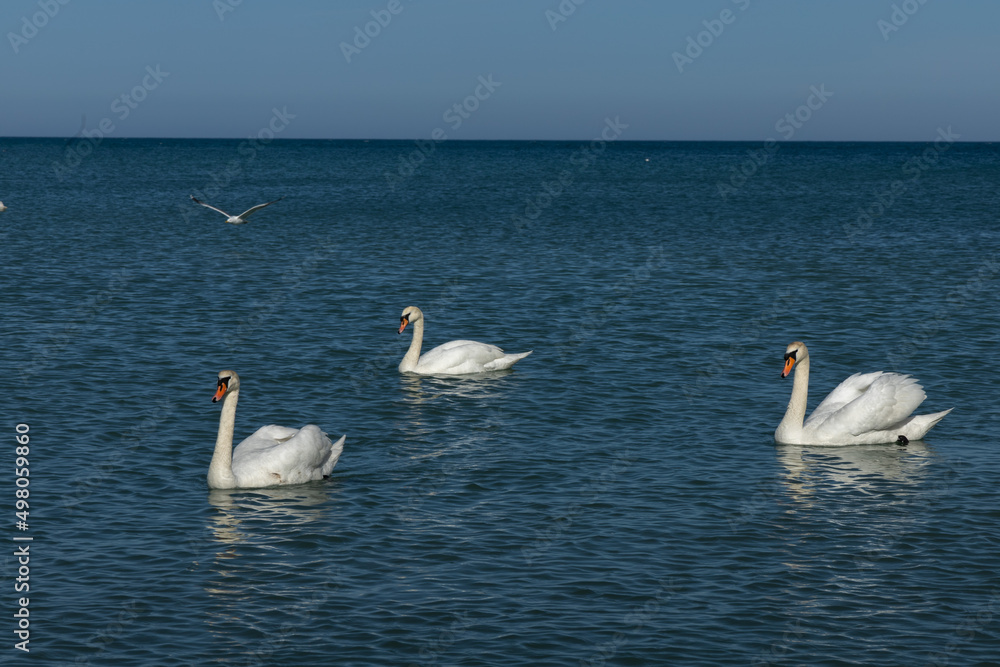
{"type": "Point", "coordinates": [557, 79]}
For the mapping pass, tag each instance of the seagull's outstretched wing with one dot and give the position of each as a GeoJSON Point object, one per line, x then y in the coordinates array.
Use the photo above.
{"type": "Point", "coordinates": [198, 201]}
{"type": "Point", "coordinates": [246, 214]}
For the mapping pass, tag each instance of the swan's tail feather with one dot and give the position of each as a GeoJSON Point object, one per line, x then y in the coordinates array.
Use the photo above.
{"type": "Point", "coordinates": [935, 417]}
{"type": "Point", "coordinates": [335, 452]}
{"type": "Point", "coordinates": [506, 361]}
{"type": "Point", "coordinates": [919, 425]}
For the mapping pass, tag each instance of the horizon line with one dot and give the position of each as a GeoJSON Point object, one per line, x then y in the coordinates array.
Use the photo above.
{"type": "Point", "coordinates": [449, 141]}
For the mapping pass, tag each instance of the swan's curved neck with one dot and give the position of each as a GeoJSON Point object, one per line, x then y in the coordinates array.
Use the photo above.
{"type": "Point", "coordinates": [220, 470]}
{"type": "Point", "coordinates": [412, 356]}
{"type": "Point", "coordinates": [795, 414]}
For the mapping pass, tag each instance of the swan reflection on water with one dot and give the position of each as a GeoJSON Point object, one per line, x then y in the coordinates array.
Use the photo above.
{"type": "Point", "coordinates": [276, 505]}
{"type": "Point", "coordinates": [864, 503]}
{"type": "Point", "coordinates": [425, 388]}
{"type": "Point", "coordinates": [261, 524]}
{"type": "Point", "coordinates": [239, 513]}
{"type": "Point", "coordinates": [859, 467]}
{"type": "Point", "coordinates": [432, 459]}
{"type": "Point", "coordinates": [424, 395]}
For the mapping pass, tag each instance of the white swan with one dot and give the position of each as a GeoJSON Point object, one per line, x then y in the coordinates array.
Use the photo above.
{"type": "Point", "coordinates": [273, 455]}
{"type": "Point", "coordinates": [240, 219]}
{"type": "Point", "coordinates": [459, 357]}
{"type": "Point", "coordinates": [866, 408]}
{"type": "Point", "coordinates": [2, 207]}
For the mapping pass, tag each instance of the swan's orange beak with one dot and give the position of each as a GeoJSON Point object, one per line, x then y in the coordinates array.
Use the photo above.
{"type": "Point", "coordinates": [220, 391]}
{"type": "Point", "coordinates": [402, 324]}
{"type": "Point", "coordinates": [789, 362]}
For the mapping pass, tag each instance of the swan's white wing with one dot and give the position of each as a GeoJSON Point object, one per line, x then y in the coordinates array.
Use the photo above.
{"type": "Point", "coordinates": [888, 400]}
{"type": "Point", "coordinates": [455, 344]}
{"type": "Point", "coordinates": [459, 356]}
{"type": "Point", "coordinates": [274, 433]}
{"type": "Point", "coordinates": [845, 392]}
{"type": "Point", "coordinates": [247, 212]}
{"type": "Point", "coordinates": [280, 455]}
{"type": "Point", "coordinates": [198, 201]}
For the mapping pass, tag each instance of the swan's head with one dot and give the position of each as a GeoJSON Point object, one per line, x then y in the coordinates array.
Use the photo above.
{"type": "Point", "coordinates": [795, 353]}
{"type": "Point", "coordinates": [228, 381]}
{"type": "Point", "coordinates": [411, 314]}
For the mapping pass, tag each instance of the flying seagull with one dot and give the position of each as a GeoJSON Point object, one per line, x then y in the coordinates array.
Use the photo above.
{"type": "Point", "coordinates": [240, 219]}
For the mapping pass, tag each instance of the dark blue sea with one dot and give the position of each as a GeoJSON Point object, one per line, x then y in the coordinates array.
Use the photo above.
{"type": "Point", "coordinates": [616, 498]}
